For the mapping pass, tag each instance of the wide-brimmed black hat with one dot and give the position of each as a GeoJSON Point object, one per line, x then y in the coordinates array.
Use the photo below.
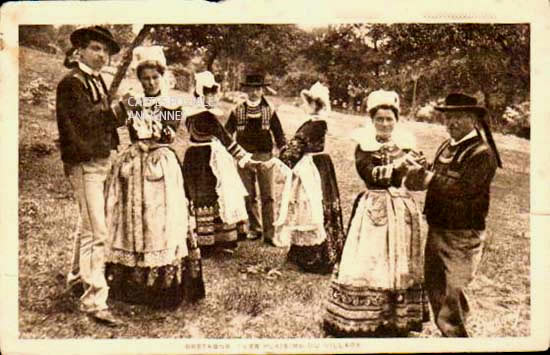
{"type": "Point", "coordinates": [96, 33]}
{"type": "Point", "coordinates": [460, 102]}
{"type": "Point", "coordinates": [255, 79]}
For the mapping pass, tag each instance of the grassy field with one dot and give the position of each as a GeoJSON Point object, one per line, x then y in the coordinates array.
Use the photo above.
{"type": "Point", "coordinates": [242, 300]}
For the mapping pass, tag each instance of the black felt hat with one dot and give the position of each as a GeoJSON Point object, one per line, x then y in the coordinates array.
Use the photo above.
{"type": "Point", "coordinates": [96, 33]}
{"type": "Point", "coordinates": [255, 79]}
{"type": "Point", "coordinates": [458, 102]}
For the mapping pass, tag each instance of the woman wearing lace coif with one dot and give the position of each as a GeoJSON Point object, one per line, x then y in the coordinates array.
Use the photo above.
{"type": "Point", "coordinates": [310, 217]}
{"type": "Point", "coordinates": [377, 289]}
{"type": "Point", "coordinates": [153, 258]}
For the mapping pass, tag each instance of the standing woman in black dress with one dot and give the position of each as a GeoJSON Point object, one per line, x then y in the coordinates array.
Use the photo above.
{"type": "Point", "coordinates": [310, 218]}
{"type": "Point", "coordinates": [212, 183]}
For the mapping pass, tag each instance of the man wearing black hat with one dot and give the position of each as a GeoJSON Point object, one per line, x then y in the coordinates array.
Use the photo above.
{"type": "Point", "coordinates": [457, 202]}
{"type": "Point", "coordinates": [87, 122]}
{"type": "Point", "coordinates": [256, 125]}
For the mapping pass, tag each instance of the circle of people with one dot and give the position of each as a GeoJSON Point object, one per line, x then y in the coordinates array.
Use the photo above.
{"type": "Point", "coordinates": [146, 220]}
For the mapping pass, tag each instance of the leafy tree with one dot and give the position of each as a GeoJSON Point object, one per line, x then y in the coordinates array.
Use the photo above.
{"type": "Point", "coordinates": [271, 47]}
{"type": "Point", "coordinates": [490, 58]}
{"type": "Point", "coordinates": [426, 61]}
{"type": "Point", "coordinates": [350, 57]}
{"type": "Point", "coordinates": [122, 33]}
{"type": "Point", "coordinates": [63, 36]}
{"type": "Point", "coordinates": [38, 36]}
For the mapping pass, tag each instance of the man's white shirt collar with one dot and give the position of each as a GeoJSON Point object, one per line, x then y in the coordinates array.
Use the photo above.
{"type": "Point", "coordinates": [470, 135]}
{"type": "Point", "coordinates": [86, 69]}
{"type": "Point", "coordinates": [253, 103]}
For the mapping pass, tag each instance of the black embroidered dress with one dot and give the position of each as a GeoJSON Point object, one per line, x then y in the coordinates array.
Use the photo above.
{"type": "Point", "coordinates": [316, 243]}
{"type": "Point", "coordinates": [202, 184]}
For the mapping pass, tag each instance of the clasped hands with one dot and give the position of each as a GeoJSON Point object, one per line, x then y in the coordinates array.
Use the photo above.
{"type": "Point", "coordinates": [408, 163]}
{"type": "Point", "coordinates": [258, 164]}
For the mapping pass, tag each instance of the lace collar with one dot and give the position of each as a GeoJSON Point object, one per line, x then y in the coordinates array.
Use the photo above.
{"type": "Point", "coordinates": [366, 138]}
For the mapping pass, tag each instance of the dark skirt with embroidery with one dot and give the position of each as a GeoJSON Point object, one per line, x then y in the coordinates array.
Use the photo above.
{"type": "Point", "coordinates": [200, 188]}
{"type": "Point", "coordinates": [377, 289]}
{"type": "Point", "coordinates": [372, 312]}
{"type": "Point", "coordinates": [321, 258]}
{"type": "Point", "coordinates": [160, 287]}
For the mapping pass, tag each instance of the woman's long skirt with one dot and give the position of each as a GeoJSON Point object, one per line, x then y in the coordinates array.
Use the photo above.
{"type": "Point", "coordinates": [377, 290]}
{"type": "Point", "coordinates": [304, 250]}
{"type": "Point", "coordinates": [151, 258]}
{"type": "Point", "coordinates": [200, 188]}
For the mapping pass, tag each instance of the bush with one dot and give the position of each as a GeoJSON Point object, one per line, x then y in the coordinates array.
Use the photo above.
{"type": "Point", "coordinates": [516, 120]}
{"type": "Point", "coordinates": [37, 92]}
{"type": "Point", "coordinates": [427, 113]}
{"type": "Point", "coordinates": [295, 82]}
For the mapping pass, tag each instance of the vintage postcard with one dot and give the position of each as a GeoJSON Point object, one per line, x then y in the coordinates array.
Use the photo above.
{"type": "Point", "coordinates": [274, 177]}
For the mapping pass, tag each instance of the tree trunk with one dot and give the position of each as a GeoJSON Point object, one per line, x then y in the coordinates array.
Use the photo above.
{"type": "Point", "coordinates": [495, 112]}
{"type": "Point", "coordinates": [414, 96]}
{"type": "Point", "coordinates": [210, 60]}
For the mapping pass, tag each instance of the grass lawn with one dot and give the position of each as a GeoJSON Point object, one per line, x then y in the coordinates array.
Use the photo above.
{"type": "Point", "coordinates": [243, 302]}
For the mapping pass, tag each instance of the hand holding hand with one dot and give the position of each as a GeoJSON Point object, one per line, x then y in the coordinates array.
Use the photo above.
{"type": "Point", "coordinates": [401, 164]}
{"type": "Point", "coordinates": [167, 134]}
{"type": "Point", "coordinates": [252, 164]}
{"type": "Point", "coordinates": [267, 164]}
{"type": "Point", "coordinates": [419, 158]}
{"type": "Point", "coordinates": [414, 162]}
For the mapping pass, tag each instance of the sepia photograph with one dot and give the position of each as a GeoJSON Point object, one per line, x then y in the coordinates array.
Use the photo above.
{"type": "Point", "coordinates": [306, 183]}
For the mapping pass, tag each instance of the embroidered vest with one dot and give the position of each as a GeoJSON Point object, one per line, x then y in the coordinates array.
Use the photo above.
{"type": "Point", "coordinates": [451, 166]}
{"type": "Point", "coordinates": [244, 113]}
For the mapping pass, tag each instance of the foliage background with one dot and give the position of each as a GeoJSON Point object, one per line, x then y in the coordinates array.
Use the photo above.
{"type": "Point", "coordinates": [422, 62]}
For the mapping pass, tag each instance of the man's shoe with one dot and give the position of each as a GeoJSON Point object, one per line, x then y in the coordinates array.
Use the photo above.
{"type": "Point", "coordinates": [106, 317]}
{"type": "Point", "coordinates": [76, 289]}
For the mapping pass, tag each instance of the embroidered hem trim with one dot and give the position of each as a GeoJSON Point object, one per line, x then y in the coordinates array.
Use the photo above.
{"type": "Point", "coordinates": [147, 259]}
